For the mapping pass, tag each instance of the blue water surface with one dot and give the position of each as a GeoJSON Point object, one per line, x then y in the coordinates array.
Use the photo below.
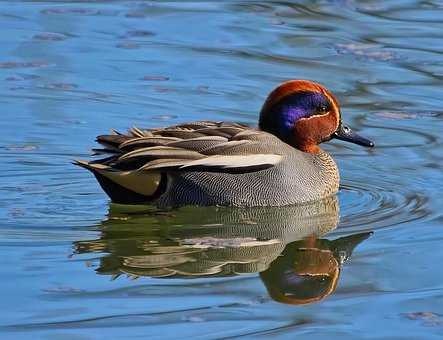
{"type": "Point", "coordinates": [77, 267]}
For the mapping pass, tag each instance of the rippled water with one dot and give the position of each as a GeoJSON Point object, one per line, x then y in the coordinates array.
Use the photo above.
{"type": "Point", "coordinates": [76, 267]}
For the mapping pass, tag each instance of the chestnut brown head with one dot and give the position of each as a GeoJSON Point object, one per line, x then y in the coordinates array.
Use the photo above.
{"type": "Point", "coordinates": [304, 114]}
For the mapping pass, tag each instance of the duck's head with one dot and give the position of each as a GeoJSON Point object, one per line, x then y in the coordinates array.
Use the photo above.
{"type": "Point", "coordinates": [304, 114]}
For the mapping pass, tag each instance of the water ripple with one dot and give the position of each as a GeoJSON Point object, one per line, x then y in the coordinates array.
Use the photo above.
{"type": "Point", "coordinates": [71, 70]}
{"type": "Point", "coordinates": [379, 206]}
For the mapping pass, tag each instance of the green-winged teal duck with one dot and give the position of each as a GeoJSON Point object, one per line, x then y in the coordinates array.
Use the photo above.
{"type": "Point", "coordinates": [220, 163]}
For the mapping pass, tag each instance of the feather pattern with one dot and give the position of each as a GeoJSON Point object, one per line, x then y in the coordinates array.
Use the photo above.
{"type": "Point", "coordinates": [195, 146]}
{"type": "Point", "coordinates": [140, 142]}
{"type": "Point", "coordinates": [209, 163]}
{"type": "Point", "coordinates": [237, 161]}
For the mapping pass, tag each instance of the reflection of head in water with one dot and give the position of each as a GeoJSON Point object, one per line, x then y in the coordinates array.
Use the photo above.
{"type": "Point", "coordinates": [308, 270]}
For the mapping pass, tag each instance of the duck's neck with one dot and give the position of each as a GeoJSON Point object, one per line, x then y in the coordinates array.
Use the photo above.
{"type": "Point", "coordinates": [310, 148]}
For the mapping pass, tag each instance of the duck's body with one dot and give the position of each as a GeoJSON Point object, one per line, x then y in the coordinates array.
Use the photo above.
{"type": "Point", "coordinates": [218, 163]}
{"type": "Point", "coordinates": [297, 178]}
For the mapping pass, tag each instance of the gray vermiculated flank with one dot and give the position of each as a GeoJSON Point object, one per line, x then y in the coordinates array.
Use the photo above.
{"type": "Point", "coordinates": [299, 177]}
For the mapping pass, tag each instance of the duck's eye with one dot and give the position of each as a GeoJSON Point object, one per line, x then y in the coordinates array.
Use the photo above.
{"type": "Point", "coordinates": [323, 109]}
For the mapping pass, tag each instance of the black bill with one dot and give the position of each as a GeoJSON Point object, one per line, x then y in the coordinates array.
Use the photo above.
{"type": "Point", "coordinates": [346, 134]}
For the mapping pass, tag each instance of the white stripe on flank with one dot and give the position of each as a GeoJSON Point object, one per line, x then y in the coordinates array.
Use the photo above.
{"type": "Point", "coordinates": [236, 161]}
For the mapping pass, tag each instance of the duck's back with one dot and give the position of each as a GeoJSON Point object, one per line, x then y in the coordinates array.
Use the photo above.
{"type": "Point", "coordinates": [208, 163]}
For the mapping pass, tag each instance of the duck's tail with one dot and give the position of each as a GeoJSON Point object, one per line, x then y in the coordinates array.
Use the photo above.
{"type": "Point", "coordinates": [127, 187]}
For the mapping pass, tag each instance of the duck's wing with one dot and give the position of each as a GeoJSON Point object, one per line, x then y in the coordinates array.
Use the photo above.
{"type": "Point", "coordinates": [197, 146]}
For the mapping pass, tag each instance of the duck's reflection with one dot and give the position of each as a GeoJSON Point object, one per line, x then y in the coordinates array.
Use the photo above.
{"type": "Point", "coordinates": [282, 244]}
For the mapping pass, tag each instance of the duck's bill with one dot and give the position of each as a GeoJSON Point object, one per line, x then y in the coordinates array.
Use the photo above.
{"type": "Point", "coordinates": [346, 134]}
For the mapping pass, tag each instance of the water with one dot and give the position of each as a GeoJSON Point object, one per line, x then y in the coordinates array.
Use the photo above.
{"type": "Point", "coordinates": [76, 267]}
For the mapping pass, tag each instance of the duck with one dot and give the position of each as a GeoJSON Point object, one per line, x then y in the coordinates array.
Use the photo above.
{"type": "Point", "coordinates": [217, 163]}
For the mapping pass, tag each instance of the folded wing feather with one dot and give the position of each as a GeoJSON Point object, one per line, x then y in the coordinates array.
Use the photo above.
{"type": "Point", "coordinates": [197, 146]}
